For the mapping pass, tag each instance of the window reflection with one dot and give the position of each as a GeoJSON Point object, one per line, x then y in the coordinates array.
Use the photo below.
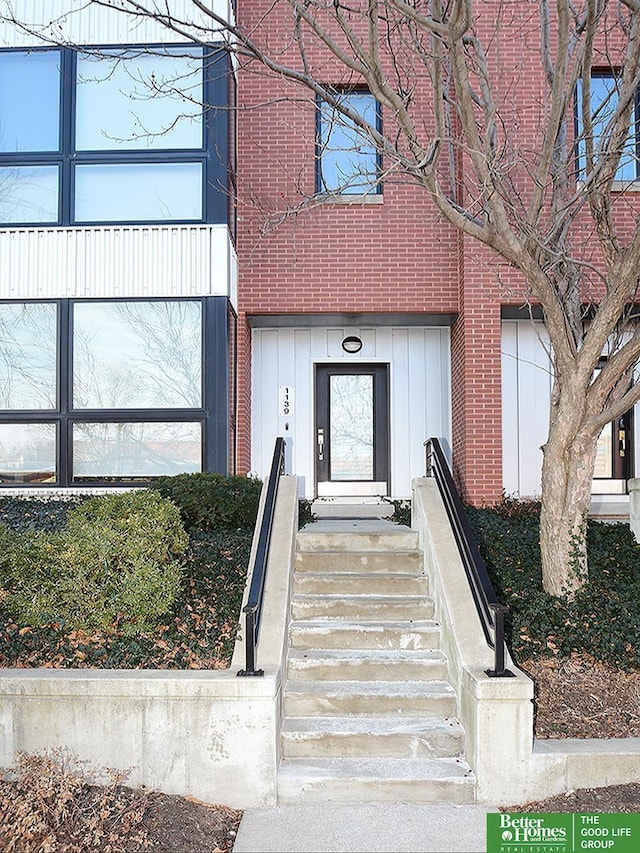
{"type": "Point", "coordinates": [28, 194]}
{"type": "Point", "coordinates": [604, 102]}
{"type": "Point", "coordinates": [139, 99]}
{"type": "Point", "coordinates": [27, 453]}
{"type": "Point", "coordinates": [98, 112]}
{"type": "Point", "coordinates": [347, 160]}
{"type": "Point", "coordinates": [137, 355]}
{"type": "Point", "coordinates": [110, 451]}
{"type": "Point", "coordinates": [351, 431]}
{"type": "Point", "coordinates": [138, 192]}
{"type": "Point", "coordinates": [27, 355]}
{"type": "Point", "coordinates": [30, 87]}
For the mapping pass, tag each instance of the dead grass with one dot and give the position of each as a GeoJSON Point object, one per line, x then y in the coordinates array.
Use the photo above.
{"type": "Point", "coordinates": [581, 697]}
{"type": "Point", "coordinates": [52, 803]}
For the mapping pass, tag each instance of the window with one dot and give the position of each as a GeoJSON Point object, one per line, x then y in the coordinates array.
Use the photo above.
{"type": "Point", "coordinates": [108, 391]}
{"type": "Point", "coordinates": [120, 450]}
{"type": "Point", "coordinates": [604, 102]}
{"type": "Point", "coordinates": [137, 355]}
{"type": "Point", "coordinates": [347, 162]}
{"type": "Point", "coordinates": [28, 335]}
{"type": "Point", "coordinates": [114, 135]}
{"type": "Point", "coordinates": [27, 453]}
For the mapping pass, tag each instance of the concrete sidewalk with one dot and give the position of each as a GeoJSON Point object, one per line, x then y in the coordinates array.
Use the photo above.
{"type": "Point", "coordinates": [364, 828]}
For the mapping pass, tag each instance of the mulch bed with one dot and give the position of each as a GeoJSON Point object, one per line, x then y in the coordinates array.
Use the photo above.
{"type": "Point", "coordinates": [580, 697]}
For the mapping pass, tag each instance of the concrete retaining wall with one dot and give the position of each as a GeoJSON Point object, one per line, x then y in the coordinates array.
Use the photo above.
{"type": "Point", "coordinates": [207, 734]}
{"type": "Point", "coordinates": [215, 736]}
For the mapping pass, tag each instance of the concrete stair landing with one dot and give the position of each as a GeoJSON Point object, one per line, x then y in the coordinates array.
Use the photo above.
{"type": "Point", "coordinates": [369, 714]}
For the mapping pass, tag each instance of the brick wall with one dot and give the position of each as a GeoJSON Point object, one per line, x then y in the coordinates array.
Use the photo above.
{"type": "Point", "coordinates": [396, 254]}
{"type": "Point", "coordinates": [390, 254]}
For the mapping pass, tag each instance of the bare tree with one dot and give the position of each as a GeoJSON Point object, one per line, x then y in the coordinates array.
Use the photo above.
{"type": "Point", "coordinates": [551, 200]}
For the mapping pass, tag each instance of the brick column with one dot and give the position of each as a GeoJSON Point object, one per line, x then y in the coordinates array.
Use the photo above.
{"type": "Point", "coordinates": [476, 379]}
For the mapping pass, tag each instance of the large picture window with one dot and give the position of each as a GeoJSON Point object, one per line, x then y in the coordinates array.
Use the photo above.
{"type": "Point", "coordinates": [114, 135]}
{"type": "Point", "coordinates": [129, 99]}
{"type": "Point", "coordinates": [113, 391]}
{"type": "Point", "coordinates": [137, 355]}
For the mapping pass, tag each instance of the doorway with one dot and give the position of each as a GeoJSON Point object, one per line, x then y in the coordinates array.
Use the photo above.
{"type": "Point", "coordinates": [614, 457]}
{"type": "Point", "coordinates": [352, 429]}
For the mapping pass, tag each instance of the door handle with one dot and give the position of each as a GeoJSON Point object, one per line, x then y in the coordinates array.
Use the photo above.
{"type": "Point", "coordinates": [320, 438]}
{"type": "Point", "coordinates": [622, 442]}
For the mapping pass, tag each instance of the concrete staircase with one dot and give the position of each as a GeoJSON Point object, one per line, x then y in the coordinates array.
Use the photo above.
{"type": "Point", "coordinates": [369, 712]}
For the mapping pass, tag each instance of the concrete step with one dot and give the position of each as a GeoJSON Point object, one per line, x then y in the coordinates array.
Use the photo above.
{"type": "Point", "coordinates": [354, 508]}
{"type": "Point", "coordinates": [382, 608]}
{"type": "Point", "coordinates": [334, 634]}
{"type": "Point", "coordinates": [359, 536]}
{"type": "Point", "coordinates": [376, 698]}
{"type": "Point", "coordinates": [354, 583]}
{"type": "Point", "coordinates": [348, 780]}
{"type": "Point", "coordinates": [367, 665]}
{"type": "Point", "coordinates": [373, 737]}
{"type": "Point", "coordinates": [404, 562]}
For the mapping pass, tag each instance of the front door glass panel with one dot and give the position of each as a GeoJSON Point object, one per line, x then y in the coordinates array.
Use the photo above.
{"type": "Point", "coordinates": [604, 454]}
{"type": "Point", "coordinates": [351, 427]}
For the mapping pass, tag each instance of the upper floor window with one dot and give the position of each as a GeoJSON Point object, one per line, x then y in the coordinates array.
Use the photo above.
{"type": "Point", "coordinates": [113, 135]}
{"type": "Point", "coordinates": [604, 103]}
{"type": "Point", "coordinates": [347, 162]}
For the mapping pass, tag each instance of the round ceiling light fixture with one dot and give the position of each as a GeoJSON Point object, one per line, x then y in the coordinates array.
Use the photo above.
{"type": "Point", "coordinates": [352, 344]}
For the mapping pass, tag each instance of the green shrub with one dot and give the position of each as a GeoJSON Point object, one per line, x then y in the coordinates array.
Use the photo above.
{"type": "Point", "coordinates": [210, 501]}
{"type": "Point", "coordinates": [197, 632]}
{"type": "Point", "coordinates": [602, 620]}
{"type": "Point", "coordinates": [117, 560]}
{"type": "Point", "coordinates": [305, 513]}
{"type": "Point", "coordinates": [401, 511]}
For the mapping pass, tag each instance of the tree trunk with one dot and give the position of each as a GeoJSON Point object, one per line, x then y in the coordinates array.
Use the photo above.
{"type": "Point", "coordinates": [567, 472]}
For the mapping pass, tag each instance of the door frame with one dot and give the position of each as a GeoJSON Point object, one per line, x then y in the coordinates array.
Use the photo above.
{"type": "Point", "coordinates": [324, 486]}
{"type": "Point", "coordinates": [622, 457]}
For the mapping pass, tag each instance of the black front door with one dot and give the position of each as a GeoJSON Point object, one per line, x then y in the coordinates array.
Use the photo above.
{"type": "Point", "coordinates": [352, 429]}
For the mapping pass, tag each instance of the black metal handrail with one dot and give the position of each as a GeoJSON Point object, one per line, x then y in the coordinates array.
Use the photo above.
{"type": "Point", "coordinates": [253, 608]}
{"type": "Point", "coordinates": [490, 610]}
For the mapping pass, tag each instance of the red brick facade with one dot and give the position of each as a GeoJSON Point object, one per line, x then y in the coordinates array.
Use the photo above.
{"type": "Point", "coordinates": [391, 253]}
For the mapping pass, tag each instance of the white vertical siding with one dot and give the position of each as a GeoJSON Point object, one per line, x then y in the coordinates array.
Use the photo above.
{"type": "Point", "coordinates": [82, 22]}
{"type": "Point", "coordinates": [419, 392]}
{"type": "Point", "coordinates": [526, 394]}
{"type": "Point", "coordinates": [41, 263]}
{"type": "Point", "coordinates": [510, 419]}
{"type": "Point", "coordinates": [420, 397]}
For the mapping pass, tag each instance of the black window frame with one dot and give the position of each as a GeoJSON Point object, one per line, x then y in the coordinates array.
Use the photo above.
{"type": "Point", "coordinates": [376, 189]}
{"type": "Point", "coordinates": [214, 155]}
{"type": "Point", "coordinates": [218, 325]}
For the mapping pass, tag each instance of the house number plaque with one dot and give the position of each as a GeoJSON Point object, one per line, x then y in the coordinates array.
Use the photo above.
{"type": "Point", "coordinates": [286, 400]}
